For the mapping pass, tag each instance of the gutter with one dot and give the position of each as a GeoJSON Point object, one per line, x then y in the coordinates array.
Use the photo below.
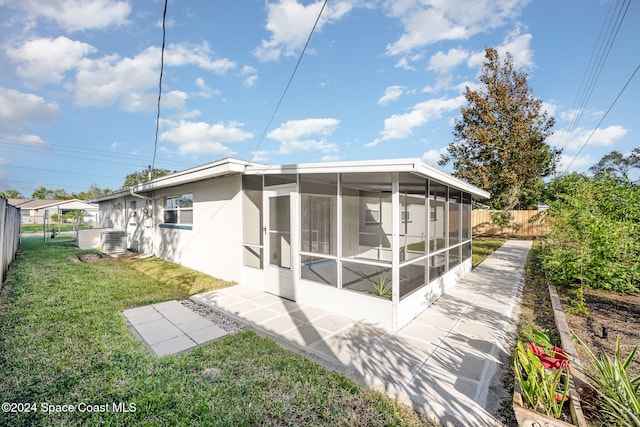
{"type": "Point", "coordinates": [138, 195]}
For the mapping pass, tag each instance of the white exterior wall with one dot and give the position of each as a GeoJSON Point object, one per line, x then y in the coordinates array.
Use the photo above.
{"type": "Point", "coordinates": [112, 214]}
{"type": "Point", "coordinates": [214, 244]}
{"type": "Point", "coordinates": [414, 304]}
{"type": "Point", "coordinates": [354, 305]}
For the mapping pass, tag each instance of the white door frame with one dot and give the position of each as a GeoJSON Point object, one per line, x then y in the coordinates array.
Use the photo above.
{"type": "Point", "coordinates": [281, 280]}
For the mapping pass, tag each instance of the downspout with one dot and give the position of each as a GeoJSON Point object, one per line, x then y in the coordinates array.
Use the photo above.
{"type": "Point", "coordinates": [153, 233]}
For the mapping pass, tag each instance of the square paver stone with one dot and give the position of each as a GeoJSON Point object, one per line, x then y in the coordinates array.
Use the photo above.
{"type": "Point", "coordinates": [180, 315]}
{"type": "Point", "coordinates": [142, 316]}
{"type": "Point", "coordinates": [173, 345]}
{"type": "Point", "coordinates": [207, 334]}
{"type": "Point", "coordinates": [332, 323]}
{"type": "Point", "coordinates": [162, 334]}
{"type": "Point", "coordinates": [305, 335]}
{"type": "Point", "coordinates": [194, 325]}
{"type": "Point", "coordinates": [167, 305]}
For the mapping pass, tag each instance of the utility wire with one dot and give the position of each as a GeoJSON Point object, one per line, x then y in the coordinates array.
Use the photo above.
{"type": "Point", "coordinates": [609, 32]}
{"type": "Point", "coordinates": [164, 34]}
{"type": "Point", "coordinates": [603, 117]}
{"type": "Point", "coordinates": [275, 111]}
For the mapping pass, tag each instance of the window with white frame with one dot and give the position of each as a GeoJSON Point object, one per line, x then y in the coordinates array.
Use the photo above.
{"type": "Point", "coordinates": [178, 209]}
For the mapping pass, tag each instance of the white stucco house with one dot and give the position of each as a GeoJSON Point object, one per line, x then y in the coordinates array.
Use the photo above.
{"type": "Point", "coordinates": [35, 211]}
{"type": "Point", "coordinates": [374, 240]}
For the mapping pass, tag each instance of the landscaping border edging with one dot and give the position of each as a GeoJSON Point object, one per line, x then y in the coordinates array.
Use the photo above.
{"type": "Point", "coordinates": [577, 376]}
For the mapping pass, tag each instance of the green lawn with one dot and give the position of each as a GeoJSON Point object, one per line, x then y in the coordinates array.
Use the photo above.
{"type": "Point", "coordinates": [63, 341]}
{"type": "Point", "coordinates": [483, 247]}
{"type": "Point", "coordinates": [37, 228]}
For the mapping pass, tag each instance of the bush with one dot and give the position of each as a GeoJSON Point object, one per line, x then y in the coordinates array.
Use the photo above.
{"type": "Point", "coordinates": [595, 240]}
{"type": "Point", "coordinates": [619, 394]}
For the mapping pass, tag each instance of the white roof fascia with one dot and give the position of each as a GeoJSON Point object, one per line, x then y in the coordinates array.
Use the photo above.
{"type": "Point", "coordinates": [198, 173]}
{"type": "Point", "coordinates": [394, 165]}
{"type": "Point", "coordinates": [452, 181]}
{"type": "Point", "coordinates": [210, 170]}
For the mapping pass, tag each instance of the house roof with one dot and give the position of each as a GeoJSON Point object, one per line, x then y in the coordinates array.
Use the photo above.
{"type": "Point", "coordinates": [232, 166]}
{"type": "Point", "coordinates": [48, 203]}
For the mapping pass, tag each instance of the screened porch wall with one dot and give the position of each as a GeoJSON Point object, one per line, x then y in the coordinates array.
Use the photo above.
{"type": "Point", "coordinates": [434, 232]}
{"type": "Point", "coordinates": [346, 235]}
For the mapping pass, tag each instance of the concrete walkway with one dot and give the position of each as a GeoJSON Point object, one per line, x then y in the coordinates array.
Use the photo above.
{"type": "Point", "coordinates": [445, 363]}
{"type": "Point", "coordinates": [170, 327]}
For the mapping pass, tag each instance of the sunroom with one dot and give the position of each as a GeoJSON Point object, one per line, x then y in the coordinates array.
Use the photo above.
{"type": "Point", "coordinates": [378, 241]}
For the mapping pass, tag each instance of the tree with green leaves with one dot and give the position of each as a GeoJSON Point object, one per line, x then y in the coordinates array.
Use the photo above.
{"type": "Point", "coordinates": [93, 191]}
{"type": "Point", "coordinates": [143, 176]}
{"type": "Point", "coordinates": [617, 164]}
{"type": "Point", "coordinates": [499, 139]}
{"type": "Point", "coordinates": [44, 193]}
{"type": "Point", "coordinates": [11, 194]}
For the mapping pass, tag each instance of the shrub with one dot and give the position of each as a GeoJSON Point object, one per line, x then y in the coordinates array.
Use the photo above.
{"type": "Point", "coordinates": [619, 395]}
{"type": "Point", "coordinates": [595, 240]}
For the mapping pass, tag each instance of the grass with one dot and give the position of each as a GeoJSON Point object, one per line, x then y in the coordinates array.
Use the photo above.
{"type": "Point", "coordinates": [483, 247]}
{"type": "Point", "coordinates": [37, 228]}
{"type": "Point", "coordinates": [63, 340]}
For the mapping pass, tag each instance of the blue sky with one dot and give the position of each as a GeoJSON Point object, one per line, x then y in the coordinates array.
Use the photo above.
{"type": "Point", "coordinates": [380, 79]}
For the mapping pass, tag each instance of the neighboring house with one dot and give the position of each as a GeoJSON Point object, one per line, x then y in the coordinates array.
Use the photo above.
{"type": "Point", "coordinates": [375, 240]}
{"type": "Point", "coordinates": [34, 211]}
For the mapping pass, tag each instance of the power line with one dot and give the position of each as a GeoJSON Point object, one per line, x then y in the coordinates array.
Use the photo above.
{"type": "Point", "coordinates": [275, 111]}
{"type": "Point", "coordinates": [609, 32]}
{"type": "Point", "coordinates": [603, 117]}
{"type": "Point", "coordinates": [68, 149]}
{"type": "Point", "coordinates": [164, 33]}
{"type": "Point", "coordinates": [63, 172]}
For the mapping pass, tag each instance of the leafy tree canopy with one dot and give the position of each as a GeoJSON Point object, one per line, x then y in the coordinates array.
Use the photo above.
{"type": "Point", "coordinates": [617, 164]}
{"type": "Point", "coordinates": [499, 139]}
{"type": "Point", "coordinates": [94, 191]}
{"type": "Point", "coordinates": [143, 176]}
{"type": "Point", "coordinates": [44, 193]}
{"type": "Point", "coordinates": [11, 194]}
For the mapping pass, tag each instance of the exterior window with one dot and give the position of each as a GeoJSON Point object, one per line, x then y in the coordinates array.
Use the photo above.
{"type": "Point", "coordinates": [319, 232]}
{"type": "Point", "coordinates": [252, 245]}
{"type": "Point", "coordinates": [178, 209]}
{"type": "Point", "coordinates": [437, 214]}
{"type": "Point", "coordinates": [372, 214]}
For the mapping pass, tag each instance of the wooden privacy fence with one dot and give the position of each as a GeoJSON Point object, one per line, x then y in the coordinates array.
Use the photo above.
{"type": "Point", "coordinates": [9, 235]}
{"type": "Point", "coordinates": [525, 226]}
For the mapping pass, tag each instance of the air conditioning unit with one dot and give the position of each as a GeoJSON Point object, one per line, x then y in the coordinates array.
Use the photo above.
{"type": "Point", "coordinates": [113, 242]}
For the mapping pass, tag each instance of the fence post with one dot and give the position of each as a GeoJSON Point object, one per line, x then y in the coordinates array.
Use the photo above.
{"type": "Point", "coordinates": [10, 220]}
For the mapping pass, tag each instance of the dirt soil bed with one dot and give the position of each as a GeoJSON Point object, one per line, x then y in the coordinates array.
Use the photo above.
{"type": "Point", "coordinates": [620, 313]}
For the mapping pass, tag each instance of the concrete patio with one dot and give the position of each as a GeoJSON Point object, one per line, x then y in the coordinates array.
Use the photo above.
{"type": "Point", "coordinates": [444, 363]}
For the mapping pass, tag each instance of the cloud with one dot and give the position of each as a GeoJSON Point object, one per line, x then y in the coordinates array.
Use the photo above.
{"type": "Point", "coordinates": [432, 157]}
{"type": "Point", "coordinates": [249, 74]}
{"type": "Point", "coordinates": [18, 111]}
{"type": "Point", "coordinates": [296, 135]}
{"type": "Point", "coordinates": [261, 156]}
{"type": "Point", "coordinates": [518, 45]}
{"type": "Point", "coordinates": [79, 15]}
{"type": "Point", "coordinates": [427, 22]}
{"type": "Point", "coordinates": [46, 60]}
{"type": "Point", "coordinates": [201, 137]}
{"type": "Point", "coordinates": [577, 164]}
{"type": "Point", "coordinates": [400, 126]}
{"type": "Point", "coordinates": [290, 23]}
{"type": "Point", "coordinates": [601, 137]}
{"type": "Point", "coordinates": [205, 91]}
{"type": "Point", "coordinates": [443, 63]}
{"type": "Point", "coordinates": [107, 80]}
{"type": "Point", "coordinates": [392, 93]}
